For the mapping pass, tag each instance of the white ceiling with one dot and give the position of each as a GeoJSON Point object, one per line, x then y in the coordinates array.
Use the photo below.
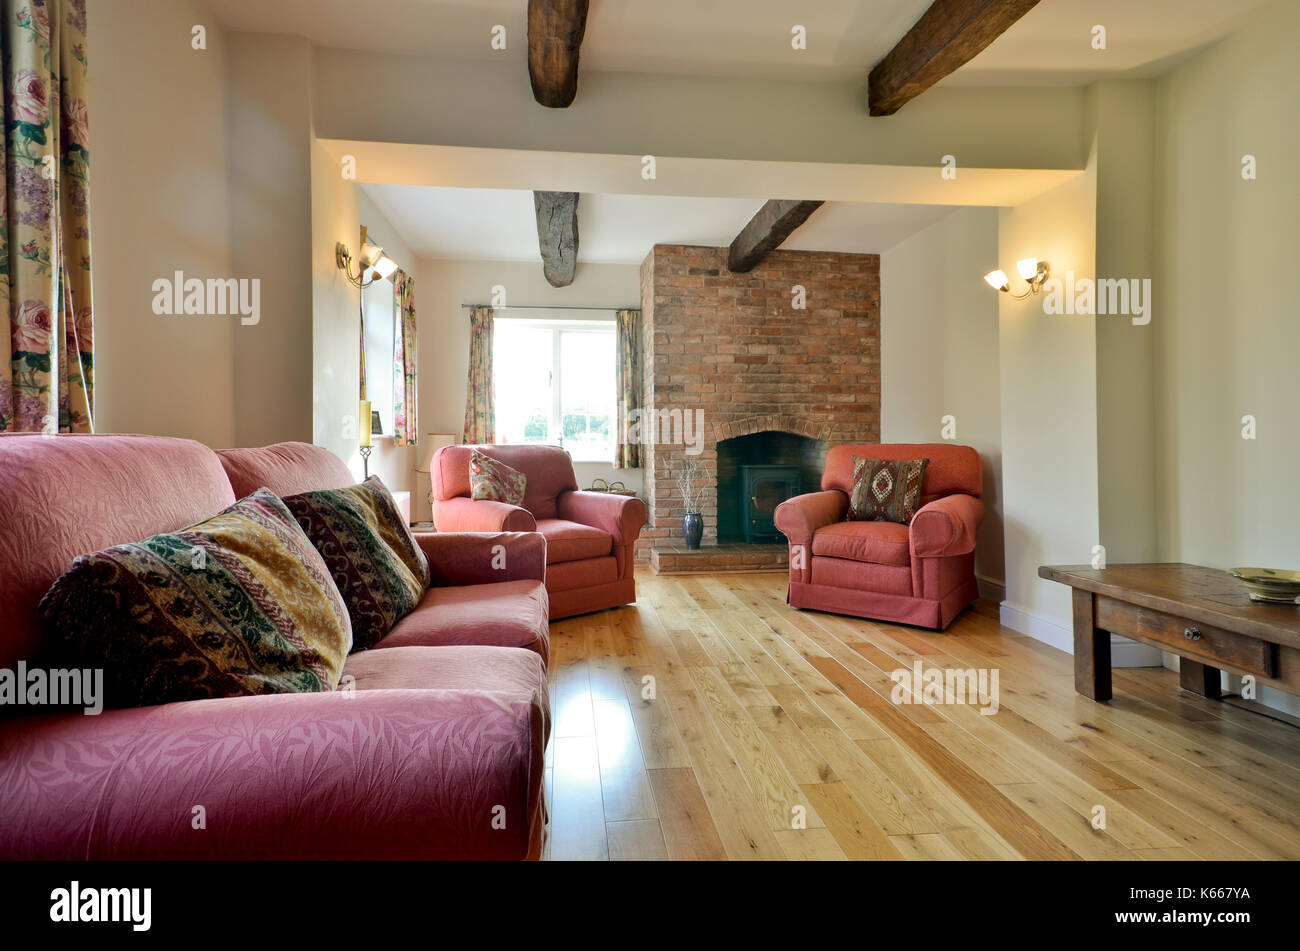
{"type": "Point", "coordinates": [749, 39]}
{"type": "Point", "coordinates": [499, 224]}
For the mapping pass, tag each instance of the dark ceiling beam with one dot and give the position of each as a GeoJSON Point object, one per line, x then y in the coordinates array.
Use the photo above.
{"type": "Point", "coordinates": [771, 225]}
{"type": "Point", "coordinates": [557, 235]}
{"type": "Point", "coordinates": [946, 37]}
{"type": "Point", "coordinates": [555, 29]}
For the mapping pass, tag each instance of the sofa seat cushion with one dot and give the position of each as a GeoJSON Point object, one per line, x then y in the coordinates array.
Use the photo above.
{"type": "Point", "coordinates": [862, 576]}
{"type": "Point", "coordinates": [571, 541]}
{"type": "Point", "coordinates": [502, 614]}
{"type": "Point", "coordinates": [874, 543]}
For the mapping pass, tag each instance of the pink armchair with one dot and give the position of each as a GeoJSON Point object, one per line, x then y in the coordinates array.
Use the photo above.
{"type": "Point", "coordinates": [922, 573]}
{"type": "Point", "coordinates": [589, 535]}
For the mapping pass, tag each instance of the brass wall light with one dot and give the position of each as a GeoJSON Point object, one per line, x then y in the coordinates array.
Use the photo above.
{"type": "Point", "coordinates": [1032, 270]}
{"type": "Point", "coordinates": [375, 264]}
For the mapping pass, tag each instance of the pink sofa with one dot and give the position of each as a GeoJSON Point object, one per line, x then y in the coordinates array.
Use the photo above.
{"type": "Point", "coordinates": [413, 761]}
{"type": "Point", "coordinates": [922, 573]}
{"type": "Point", "coordinates": [589, 535]}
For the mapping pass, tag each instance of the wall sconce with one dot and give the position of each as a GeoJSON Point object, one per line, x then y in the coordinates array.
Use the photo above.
{"type": "Point", "coordinates": [373, 260]}
{"type": "Point", "coordinates": [1032, 270]}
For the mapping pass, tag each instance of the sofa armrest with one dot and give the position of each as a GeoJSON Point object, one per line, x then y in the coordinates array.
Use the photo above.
{"type": "Point", "coordinates": [946, 526]}
{"type": "Point", "coordinates": [461, 558]}
{"type": "Point", "coordinates": [620, 515]}
{"type": "Point", "coordinates": [379, 774]}
{"type": "Point", "coordinates": [481, 515]}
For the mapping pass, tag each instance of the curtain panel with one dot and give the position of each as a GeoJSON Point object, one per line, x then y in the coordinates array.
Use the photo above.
{"type": "Point", "coordinates": [627, 451]}
{"type": "Point", "coordinates": [480, 412]}
{"type": "Point", "coordinates": [46, 377]}
{"type": "Point", "coordinates": [406, 428]}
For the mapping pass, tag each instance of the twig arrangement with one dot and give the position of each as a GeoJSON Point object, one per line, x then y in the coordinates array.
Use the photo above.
{"type": "Point", "coordinates": [688, 485]}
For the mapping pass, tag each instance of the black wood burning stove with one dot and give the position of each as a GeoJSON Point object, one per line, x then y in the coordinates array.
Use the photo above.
{"type": "Point", "coordinates": [763, 488]}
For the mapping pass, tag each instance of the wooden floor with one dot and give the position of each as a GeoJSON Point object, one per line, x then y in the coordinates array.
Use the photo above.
{"type": "Point", "coordinates": [769, 734]}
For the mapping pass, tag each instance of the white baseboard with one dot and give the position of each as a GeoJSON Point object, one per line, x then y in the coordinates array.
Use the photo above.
{"type": "Point", "coordinates": [1038, 626]}
{"type": "Point", "coordinates": [1049, 630]}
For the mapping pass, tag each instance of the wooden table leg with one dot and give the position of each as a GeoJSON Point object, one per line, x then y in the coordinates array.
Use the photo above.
{"type": "Point", "coordinates": [1199, 678]}
{"type": "Point", "coordinates": [1091, 650]}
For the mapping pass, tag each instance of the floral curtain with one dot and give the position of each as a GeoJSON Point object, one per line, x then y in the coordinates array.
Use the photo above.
{"type": "Point", "coordinates": [46, 382]}
{"type": "Point", "coordinates": [480, 414]}
{"type": "Point", "coordinates": [627, 453]}
{"type": "Point", "coordinates": [406, 429]}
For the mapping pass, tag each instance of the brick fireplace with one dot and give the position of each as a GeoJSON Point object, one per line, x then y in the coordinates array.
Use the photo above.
{"type": "Point", "coordinates": [735, 348]}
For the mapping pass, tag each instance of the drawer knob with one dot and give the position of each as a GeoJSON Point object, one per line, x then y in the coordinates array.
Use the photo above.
{"type": "Point", "coordinates": [1191, 633]}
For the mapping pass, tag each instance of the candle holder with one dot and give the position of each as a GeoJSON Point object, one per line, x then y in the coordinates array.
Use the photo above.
{"type": "Point", "coordinates": [365, 460]}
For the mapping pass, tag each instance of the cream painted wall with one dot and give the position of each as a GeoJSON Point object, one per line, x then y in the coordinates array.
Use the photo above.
{"type": "Point", "coordinates": [701, 117]}
{"type": "Point", "coordinates": [159, 202]}
{"type": "Point", "coordinates": [270, 169]}
{"type": "Point", "coordinates": [442, 287]}
{"type": "Point", "coordinates": [1227, 331]}
{"type": "Point", "coordinates": [939, 351]}
{"type": "Point", "coordinates": [335, 349]}
{"type": "Point", "coordinates": [1048, 376]}
{"type": "Point", "coordinates": [1122, 117]}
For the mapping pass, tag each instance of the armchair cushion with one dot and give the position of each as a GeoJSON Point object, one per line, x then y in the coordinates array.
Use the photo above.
{"type": "Point", "coordinates": [946, 526]}
{"type": "Point", "coordinates": [620, 516]}
{"type": "Point", "coordinates": [504, 614]}
{"type": "Point", "coordinates": [569, 541]}
{"type": "Point", "coordinates": [876, 543]}
{"type": "Point", "coordinates": [886, 490]}
{"type": "Point", "coordinates": [490, 479]}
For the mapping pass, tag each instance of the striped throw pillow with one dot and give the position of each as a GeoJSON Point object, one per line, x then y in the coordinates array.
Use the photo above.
{"type": "Point", "coordinates": [236, 605]}
{"type": "Point", "coordinates": [371, 554]}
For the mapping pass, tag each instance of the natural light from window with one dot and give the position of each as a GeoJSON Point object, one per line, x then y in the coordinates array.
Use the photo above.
{"type": "Point", "coordinates": [554, 384]}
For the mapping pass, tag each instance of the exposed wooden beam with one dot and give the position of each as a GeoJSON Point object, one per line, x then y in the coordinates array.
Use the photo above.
{"type": "Point", "coordinates": [947, 36]}
{"type": "Point", "coordinates": [555, 29]}
{"type": "Point", "coordinates": [771, 225]}
{"type": "Point", "coordinates": [557, 235]}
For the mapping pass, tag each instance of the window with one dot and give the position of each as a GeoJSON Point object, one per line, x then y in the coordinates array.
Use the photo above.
{"type": "Point", "coordinates": [554, 384]}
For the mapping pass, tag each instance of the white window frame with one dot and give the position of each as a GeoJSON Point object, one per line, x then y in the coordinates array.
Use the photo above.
{"type": "Point", "coordinates": [559, 321]}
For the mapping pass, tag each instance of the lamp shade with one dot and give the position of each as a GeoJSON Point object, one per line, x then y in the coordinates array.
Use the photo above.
{"type": "Point", "coordinates": [432, 443]}
{"type": "Point", "coordinates": [997, 280]}
{"type": "Point", "coordinates": [1028, 268]}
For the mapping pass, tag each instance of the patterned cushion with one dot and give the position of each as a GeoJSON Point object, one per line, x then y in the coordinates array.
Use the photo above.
{"type": "Point", "coordinates": [374, 559]}
{"type": "Point", "coordinates": [236, 605]}
{"type": "Point", "coordinates": [489, 479]}
{"type": "Point", "coordinates": [886, 490]}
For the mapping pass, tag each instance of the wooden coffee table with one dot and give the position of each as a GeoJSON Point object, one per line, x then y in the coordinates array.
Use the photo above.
{"type": "Point", "coordinates": [1203, 615]}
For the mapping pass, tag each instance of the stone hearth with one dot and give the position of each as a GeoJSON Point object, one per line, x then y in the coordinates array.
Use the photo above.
{"type": "Point", "coordinates": [667, 558]}
{"type": "Point", "coordinates": [732, 351]}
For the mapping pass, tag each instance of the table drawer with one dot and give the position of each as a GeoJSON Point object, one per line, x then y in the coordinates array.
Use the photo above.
{"type": "Point", "coordinates": [1200, 642]}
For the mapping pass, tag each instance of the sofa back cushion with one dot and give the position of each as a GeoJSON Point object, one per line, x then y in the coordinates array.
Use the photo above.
{"type": "Point", "coordinates": [286, 468]}
{"type": "Point", "coordinates": [952, 468]}
{"type": "Point", "coordinates": [548, 469]}
{"type": "Point", "coordinates": [238, 605]}
{"type": "Point", "coordinates": [69, 495]}
{"type": "Point", "coordinates": [379, 568]}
